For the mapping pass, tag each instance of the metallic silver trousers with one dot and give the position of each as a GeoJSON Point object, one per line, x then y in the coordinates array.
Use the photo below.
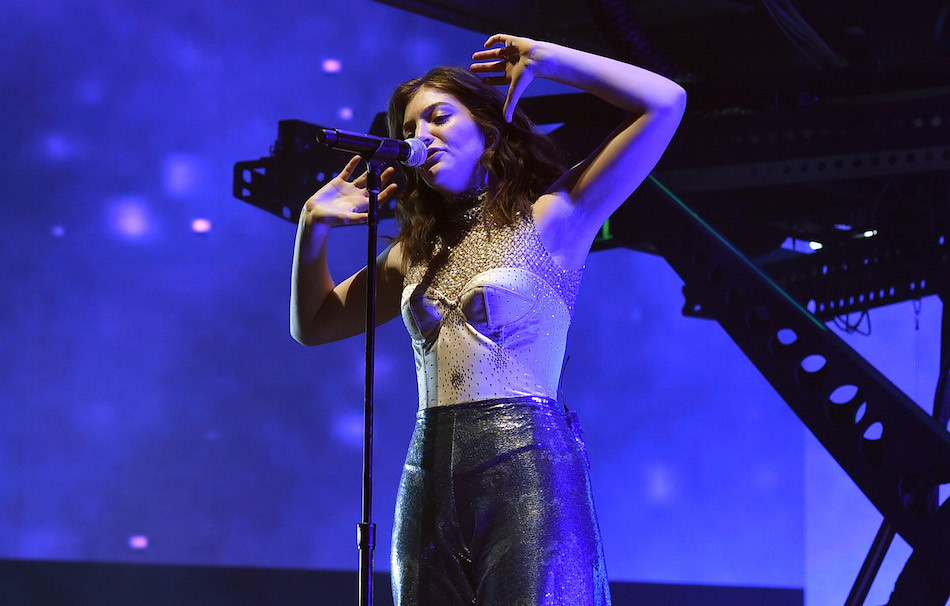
{"type": "Point", "coordinates": [495, 509]}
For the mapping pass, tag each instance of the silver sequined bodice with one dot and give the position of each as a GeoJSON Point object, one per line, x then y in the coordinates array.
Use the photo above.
{"type": "Point", "coordinates": [489, 316]}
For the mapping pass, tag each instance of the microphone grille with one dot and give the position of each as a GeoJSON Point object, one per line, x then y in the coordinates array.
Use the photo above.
{"type": "Point", "coordinates": [417, 152]}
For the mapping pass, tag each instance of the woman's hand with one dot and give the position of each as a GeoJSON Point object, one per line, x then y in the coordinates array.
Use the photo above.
{"type": "Point", "coordinates": [517, 61]}
{"type": "Point", "coordinates": [343, 201]}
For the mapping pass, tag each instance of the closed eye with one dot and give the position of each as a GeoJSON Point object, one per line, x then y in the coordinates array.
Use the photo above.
{"type": "Point", "coordinates": [435, 114]}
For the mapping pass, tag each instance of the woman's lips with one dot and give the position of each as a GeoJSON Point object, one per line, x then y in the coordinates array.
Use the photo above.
{"type": "Point", "coordinates": [432, 158]}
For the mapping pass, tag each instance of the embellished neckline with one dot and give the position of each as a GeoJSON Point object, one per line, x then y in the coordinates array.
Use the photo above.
{"type": "Point", "coordinates": [468, 199]}
{"type": "Point", "coordinates": [463, 209]}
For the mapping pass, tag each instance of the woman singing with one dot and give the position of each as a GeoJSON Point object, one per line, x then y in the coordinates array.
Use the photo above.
{"type": "Point", "coordinates": [494, 505]}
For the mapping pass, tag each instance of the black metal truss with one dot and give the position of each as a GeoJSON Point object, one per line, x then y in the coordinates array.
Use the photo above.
{"type": "Point", "coordinates": [892, 450]}
{"type": "Point", "coordinates": [870, 273]}
{"type": "Point", "coordinates": [836, 142]}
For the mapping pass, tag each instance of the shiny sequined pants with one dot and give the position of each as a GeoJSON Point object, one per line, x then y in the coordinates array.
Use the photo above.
{"type": "Point", "coordinates": [495, 509]}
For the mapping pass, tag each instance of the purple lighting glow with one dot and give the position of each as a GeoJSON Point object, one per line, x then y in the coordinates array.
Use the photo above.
{"type": "Point", "coordinates": [138, 542]}
{"type": "Point", "coordinates": [348, 429]}
{"type": "Point", "coordinates": [129, 218]}
{"type": "Point", "coordinates": [200, 226]}
{"type": "Point", "coordinates": [59, 148]}
{"type": "Point", "coordinates": [181, 175]}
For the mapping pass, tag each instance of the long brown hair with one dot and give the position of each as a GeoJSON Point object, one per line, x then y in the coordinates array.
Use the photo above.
{"type": "Point", "coordinates": [520, 163]}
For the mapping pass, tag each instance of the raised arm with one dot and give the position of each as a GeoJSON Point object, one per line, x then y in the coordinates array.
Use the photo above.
{"type": "Point", "coordinates": [320, 310]}
{"type": "Point", "coordinates": [578, 204]}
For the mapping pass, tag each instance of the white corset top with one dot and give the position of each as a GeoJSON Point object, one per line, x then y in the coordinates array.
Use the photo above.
{"type": "Point", "coordinates": [489, 317]}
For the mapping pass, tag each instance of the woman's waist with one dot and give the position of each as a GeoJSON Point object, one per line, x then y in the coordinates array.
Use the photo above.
{"type": "Point", "coordinates": [501, 402]}
{"type": "Point", "coordinates": [461, 397]}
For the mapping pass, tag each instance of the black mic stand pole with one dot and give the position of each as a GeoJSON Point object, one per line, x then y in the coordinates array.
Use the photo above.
{"type": "Point", "coordinates": [366, 530]}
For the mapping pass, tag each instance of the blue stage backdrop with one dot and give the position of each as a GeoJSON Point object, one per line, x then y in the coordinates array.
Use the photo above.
{"type": "Point", "coordinates": [154, 408]}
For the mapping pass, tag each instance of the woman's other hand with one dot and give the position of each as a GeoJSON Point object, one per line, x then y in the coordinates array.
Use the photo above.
{"type": "Point", "coordinates": [517, 62]}
{"type": "Point", "coordinates": [344, 200]}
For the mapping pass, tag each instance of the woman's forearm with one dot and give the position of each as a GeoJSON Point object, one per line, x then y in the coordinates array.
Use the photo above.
{"type": "Point", "coordinates": [627, 86]}
{"type": "Point", "coordinates": [311, 282]}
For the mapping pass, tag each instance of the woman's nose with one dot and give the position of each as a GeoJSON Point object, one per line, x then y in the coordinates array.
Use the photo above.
{"type": "Point", "coordinates": [424, 134]}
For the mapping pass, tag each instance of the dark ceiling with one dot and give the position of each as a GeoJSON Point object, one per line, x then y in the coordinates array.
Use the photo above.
{"type": "Point", "coordinates": [715, 40]}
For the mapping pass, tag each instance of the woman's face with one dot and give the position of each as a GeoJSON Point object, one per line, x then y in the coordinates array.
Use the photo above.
{"type": "Point", "coordinates": [453, 141]}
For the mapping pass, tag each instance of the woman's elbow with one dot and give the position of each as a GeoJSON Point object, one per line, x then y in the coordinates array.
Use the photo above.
{"type": "Point", "coordinates": [676, 100]}
{"type": "Point", "coordinates": [304, 336]}
{"type": "Point", "coordinates": [669, 110]}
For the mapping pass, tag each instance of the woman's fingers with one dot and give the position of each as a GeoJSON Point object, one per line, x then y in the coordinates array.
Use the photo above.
{"type": "Point", "coordinates": [387, 176]}
{"type": "Point", "coordinates": [347, 171]}
{"type": "Point", "coordinates": [515, 90]}
{"type": "Point", "coordinates": [497, 39]}
{"type": "Point", "coordinates": [388, 193]}
{"type": "Point", "coordinates": [496, 68]}
{"type": "Point", "coordinates": [489, 61]}
{"type": "Point", "coordinates": [353, 218]}
{"type": "Point", "coordinates": [494, 60]}
{"type": "Point", "coordinates": [384, 178]}
{"type": "Point", "coordinates": [507, 64]}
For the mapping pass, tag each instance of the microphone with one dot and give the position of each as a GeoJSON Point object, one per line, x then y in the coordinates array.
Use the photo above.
{"type": "Point", "coordinates": [411, 152]}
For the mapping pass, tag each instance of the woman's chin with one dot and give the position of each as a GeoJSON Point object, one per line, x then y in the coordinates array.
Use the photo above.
{"type": "Point", "coordinates": [448, 184]}
{"type": "Point", "coordinates": [445, 187]}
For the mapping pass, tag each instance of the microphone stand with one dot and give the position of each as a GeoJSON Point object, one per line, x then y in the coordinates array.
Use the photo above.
{"type": "Point", "coordinates": [385, 152]}
{"type": "Point", "coordinates": [366, 529]}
